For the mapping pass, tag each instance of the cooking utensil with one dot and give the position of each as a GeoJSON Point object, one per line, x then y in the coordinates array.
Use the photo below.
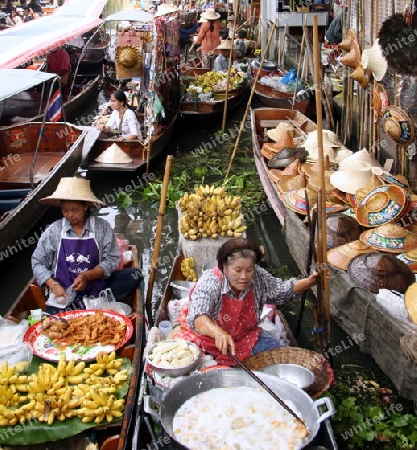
{"type": "Point", "coordinates": [61, 319]}
{"type": "Point", "coordinates": [266, 387]}
{"type": "Point", "coordinates": [201, 382]}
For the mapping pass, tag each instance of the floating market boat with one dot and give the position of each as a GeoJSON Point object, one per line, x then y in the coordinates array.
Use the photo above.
{"type": "Point", "coordinates": [76, 24]}
{"type": "Point", "coordinates": [71, 434]}
{"type": "Point", "coordinates": [354, 308]}
{"type": "Point", "coordinates": [152, 85]}
{"type": "Point", "coordinates": [34, 157]}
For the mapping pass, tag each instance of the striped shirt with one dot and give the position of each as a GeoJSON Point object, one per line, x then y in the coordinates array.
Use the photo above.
{"type": "Point", "coordinates": [207, 296]}
{"type": "Point", "coordinates": [45, 255]}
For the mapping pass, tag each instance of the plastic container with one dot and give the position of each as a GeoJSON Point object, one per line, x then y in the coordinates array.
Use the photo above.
{"type": "Point", "coordinates": [166, 327]}
{"type": "Point", "coordinates": [16, 354]}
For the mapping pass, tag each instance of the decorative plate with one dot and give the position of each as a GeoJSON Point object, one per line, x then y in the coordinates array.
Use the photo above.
{"type": "Point", "coordinates": [51, 349]}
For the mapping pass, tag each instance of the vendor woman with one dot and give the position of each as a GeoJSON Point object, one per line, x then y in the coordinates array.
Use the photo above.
{"type": "Point", "coordinates": [226, 303]}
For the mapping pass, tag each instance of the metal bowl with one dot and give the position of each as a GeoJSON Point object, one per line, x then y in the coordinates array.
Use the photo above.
{"type": "Point", "coordinates": [175, 371]}
{"type": "Point", "coordinates": [293, 373]}
{"type": "Point", "coordinates": [181, 288]}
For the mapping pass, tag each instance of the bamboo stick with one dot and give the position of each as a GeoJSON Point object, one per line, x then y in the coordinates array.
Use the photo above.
{"type": "Point", "coordinates": [322, 205]}
{"type": "Point", "coordinates": [242, 123]}
{"type": "Point", "coordinates": [158, 237]}
{"type": "Point", "coordinates": [229, 66]}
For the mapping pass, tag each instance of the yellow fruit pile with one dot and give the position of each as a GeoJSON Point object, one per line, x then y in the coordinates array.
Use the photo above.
{"type": "Point", "coordinates": [188, 269]}
{"type": "Point", "coordinates": [68, 390]}
{"type": "Point", "coordinates": [216, 81]}
{"type": "Point", "coordinates": [210, 212]}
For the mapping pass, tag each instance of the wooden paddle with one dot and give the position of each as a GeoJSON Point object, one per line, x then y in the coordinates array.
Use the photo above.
{"type": "Point", "coordinates": [157, 244]}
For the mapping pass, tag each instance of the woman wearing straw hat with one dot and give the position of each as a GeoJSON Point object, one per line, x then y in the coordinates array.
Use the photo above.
{"type": "Point", "coordinates": [122, 118]}
{"type": "Point", "coordinates": [78, 255]}
{"type": "Point", "coordinates": [226, 303]}
{"type": "Point", "coordinates": [208, 35]}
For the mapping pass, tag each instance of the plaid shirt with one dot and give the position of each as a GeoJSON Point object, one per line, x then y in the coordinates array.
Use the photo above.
{"type": "Point", "coordinates": [206, 298]}
{"type": "Point", "coordinates": [44, 257]}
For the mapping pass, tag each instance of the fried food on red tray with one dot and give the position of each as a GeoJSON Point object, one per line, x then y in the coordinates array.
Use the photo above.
{"type": "Point", "coordinates": [86, 330]}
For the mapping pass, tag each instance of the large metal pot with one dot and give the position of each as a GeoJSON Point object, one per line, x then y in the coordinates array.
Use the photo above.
{"type": "Point", "coordinates": [201, 382]}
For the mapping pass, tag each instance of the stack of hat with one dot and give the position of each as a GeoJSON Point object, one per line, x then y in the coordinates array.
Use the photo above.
{"type": "Point", "coordinates": [341, 229]}
{"type": "Point", "coordinates": [295, 200]}
{"type": "Point", "coordinates": [341, 256]}
{"type": "Point", "coordinates": [373, 183]}
{"type": "Point", "coordinates": [390, 238]}
{"type": "Point", "coordinates": [332, 147]}
{"type": "Point", "coordinates": [290, 182]}
{"type": "Point", "coordinates": [384, 204]}
{"type": "Point", "coordinates": [292, 169]}
{"type": "Point", "coordinates": [360, 155]}
{"type": "Point", "coordinates": [276, 133]}
{"type": "Point", "coordinates": [287, 156]}
{"type": "Point", "coordinates": [355, 176]}
{"type": "Point", "coordinates": [375, 271]}
{"type": "Point", "coordinates": [113, 155]}
{"type": "Point", "coordinates": [409, 258]}
{"type": "Point", "coordinates": [270, 149]}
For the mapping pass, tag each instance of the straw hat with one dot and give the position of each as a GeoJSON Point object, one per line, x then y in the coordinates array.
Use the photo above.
{"type": "Point", "coordinates": [382, 205]}
{"type": "Point", "coordinates": [375, 271]}
{"type": "Point", "coordinates": [410, 300]}
{"type": "Point", "coordinates": [329, 138]}
{"type": "Point", "coordinates": [374, 60]}
{"type": "Point", "coordinates": [291, 169]}
{"type": "Point", "coordinates": [314, 182]}
{"type": "Point", "coordinates": [72, 188]}
{"type": "Point", "coordinates": [210, 14]}
{"type": "Point", "coordinates": [347, 40]}
{"type": "Point", "coordinates": [390, 238]}
{"type": "Point", "coordinates": [165, 8]}
{"type": "Point", "coordinates": [314, 169]}
{"type": "Point", "coordinates": [361, 155]}
{"type": "Point", "coordinates": [284, 140]}
{"type": "Point", "coordinates": [359, 75]}
{"type": "Point", "coordinates": [295, 200]}
{"type": "Point", "coordinates": [380, 99]}
{"type": "Point", "coordinates": [341, 256]}
{"type": "Point", "coordinates": [290, 182]}
{"type": "Point", "coordinates": [276, 133]}
{"type": "Point", "coordinates": [398, 180]}
{"type": "Point", "coordinates": [373, 183]}
{"type": "Point", "coordinates": [128, 57]}
{"type": "Point", "coordinates": [287, 154]}
{"type": "Point", "coordinates": [353, 57]}
{"type": "Point", "coordinates": [202, 20]}
{"type": "Point", "coordinates": [341, 229]}
{"type": "Point", "coordinates": [410, 258]}
{"type": "Point", "coordinates": [354, 177]}
{"type": "Point", "coordinates": [398, 125]}
{"type": "Point", "coordinates": [225, 45]}
{"type": "Point", "coordinates": [113, 155]}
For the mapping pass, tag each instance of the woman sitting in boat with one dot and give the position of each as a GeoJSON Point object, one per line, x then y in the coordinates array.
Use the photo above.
{"type": "Point", "coordinates": [78, 255]}
{"type": "Point", "coordinates": [122, 119]}
{"type": "Point", "coordinates": [227, 301]}
{"type": "Point", "coordinates": [221, 63]}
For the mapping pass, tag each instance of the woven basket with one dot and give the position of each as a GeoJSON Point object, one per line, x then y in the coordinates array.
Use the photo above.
{"type": "Point", "coordinates": [296, 355]}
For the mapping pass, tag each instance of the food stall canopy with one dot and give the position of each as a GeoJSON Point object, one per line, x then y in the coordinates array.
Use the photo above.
{"type": "Point", "coordinates": [25, 42]}
{"type": "Point", "coordinates": [14, 81]}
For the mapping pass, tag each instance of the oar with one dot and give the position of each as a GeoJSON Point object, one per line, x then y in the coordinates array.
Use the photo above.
{"type": "Point", "coordinates": [157, 244]}
{"type": "Point", "coordinates": [267, 388]}
{"type": "Point", "coordinates": [243, 122]}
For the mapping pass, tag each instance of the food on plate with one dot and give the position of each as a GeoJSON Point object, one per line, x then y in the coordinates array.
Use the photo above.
{"type": "Point", "coordinates": [173, 353]}
{"type": "Point", "coordinates": [243, 417]}
{"type": "Point", "coordinates": [86, 330]}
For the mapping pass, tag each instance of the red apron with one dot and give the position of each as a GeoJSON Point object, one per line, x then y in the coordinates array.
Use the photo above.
{"type": "Point", "coordinates": [236, 317]}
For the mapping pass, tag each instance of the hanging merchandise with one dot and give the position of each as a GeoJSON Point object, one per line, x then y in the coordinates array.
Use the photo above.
{"type": "Point", "coordinates": [398, 125]}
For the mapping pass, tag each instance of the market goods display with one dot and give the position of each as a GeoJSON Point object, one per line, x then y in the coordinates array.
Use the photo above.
{"type": "Point", "coordinates": [212, 82]}
{"type": "Point", "coordinates": [210, 212]}
{"type": "Point", "coordinates": [173, 353]}
{"type": "Point", "coordinates": [82, 336]}
{"type": "Point", "coordinates": [68, 391]}
{"type": "Point", "coordinates": [188, 269]}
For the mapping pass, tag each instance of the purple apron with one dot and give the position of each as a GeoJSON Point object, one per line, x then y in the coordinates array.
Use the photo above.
{"type": "Point", "coordinates": [76, 255]}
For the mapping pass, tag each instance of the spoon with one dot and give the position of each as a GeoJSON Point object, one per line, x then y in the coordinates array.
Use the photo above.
{"type": "Point", "coordinates": [44, 313]}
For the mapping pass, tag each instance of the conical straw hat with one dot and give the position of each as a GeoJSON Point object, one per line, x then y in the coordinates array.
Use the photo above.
{"type": "Point", "coordinates": [73, 189]}
{"type": "Point", "coordinates": [410, 258]}
{"type": "Point", "coordinates": [374, 60]}
{"type": "Point", "coordinates": [313, 169]}
{"type": "Point", "coordinates": [390, 238]}
{"type": "Point", "coordinates": [113, 155]}
{"type": "Point", "coordinates": [276, 133]}
{"type": "Point", "coordinates": [341, 256]}
{"type": "Point", "coordinates": [347, 40]}
{"type": "Point", "coordinates": [372, 184]}
{"type": "Point", "coordinates": [285, 140]}
{"type": "Point", "coordinates": [353, 57]}
{"type": "Point", "coordinates": [290, 182]}
{"type": "Point", "coordinates": [292, 169]}
{"type": "Point", "coordinates": [359, 75]}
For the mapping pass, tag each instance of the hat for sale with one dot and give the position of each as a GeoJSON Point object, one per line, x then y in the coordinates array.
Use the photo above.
{"type": "Point", "coordinates": [113, 155]}
{"type": "Point", "coordinates": [391, 238]}
{"type": "Point", "coordinates": [398, 125]}
{"type": "Point", "coordinates": [342, 255]}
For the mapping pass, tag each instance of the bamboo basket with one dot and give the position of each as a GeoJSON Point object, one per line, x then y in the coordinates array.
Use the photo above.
{"type": "Point", "coordinates": [296, 355]}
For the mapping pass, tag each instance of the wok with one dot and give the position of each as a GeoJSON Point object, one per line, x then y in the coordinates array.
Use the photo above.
{"type": "Point", "coordinates": [307, 409]}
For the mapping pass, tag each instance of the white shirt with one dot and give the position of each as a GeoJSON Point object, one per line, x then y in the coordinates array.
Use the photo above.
{"type": "Point", "coordinates": [130, 124]}
{"type": "Point", "coordinates": [221, 63]}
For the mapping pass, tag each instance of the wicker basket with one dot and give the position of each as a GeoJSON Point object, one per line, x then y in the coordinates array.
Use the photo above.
{"type": "Point", "coordinates": [296, 355]}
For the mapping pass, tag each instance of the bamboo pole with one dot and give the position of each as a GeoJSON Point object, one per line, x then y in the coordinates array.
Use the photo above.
{"type": "Point", "coordinates": [229, 66]}
{"type": "Point", "coordinates": [242, 123]}
{"type": "Point", "coordinates": [321, 224]}
{"type": "Point", "coordinates": [158, 236]}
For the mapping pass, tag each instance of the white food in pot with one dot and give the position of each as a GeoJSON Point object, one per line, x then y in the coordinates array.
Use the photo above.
{"type": "Point", "coordinates": [243, 418]}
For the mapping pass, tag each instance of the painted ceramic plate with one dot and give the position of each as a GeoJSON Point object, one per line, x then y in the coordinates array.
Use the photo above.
{"type": "Point", "coordinates": [51, 349]}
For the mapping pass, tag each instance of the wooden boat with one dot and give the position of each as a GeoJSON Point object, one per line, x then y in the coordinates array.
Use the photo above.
{"type": "Point", "coordinates": [114, 436]}
{"type": "Point", "coordinates": [263, 119]}
{"type": "Point", "coordinates": [33, 171]}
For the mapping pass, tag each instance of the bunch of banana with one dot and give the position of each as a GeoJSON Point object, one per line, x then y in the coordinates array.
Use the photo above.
{"type": "Point", "coordinates": [188, 269]}
{"type": "Point", "coordinates": [100, 405]}
{"type": "Point", "coordinates": [105, 363]}
{"type": "Point", "coordinates": [210, 212]}
{"type": "Point", "coordinates": [11, 385]}
{"type": "Point", "coordinates": [71, 372]}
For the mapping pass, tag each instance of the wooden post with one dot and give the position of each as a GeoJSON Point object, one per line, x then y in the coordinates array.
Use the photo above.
{"type": "Point", "coordinates": [157, 243]}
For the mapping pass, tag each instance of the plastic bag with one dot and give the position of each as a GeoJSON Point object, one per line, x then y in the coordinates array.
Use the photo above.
{"type": "Point", "coordinates": [123, 244]}
{"type": "Point", "coordinates": [289, 77]}
{"type": "Point", "coordinates": [175, 307]}
{"type": "Point", "coordinates": [12, 333]}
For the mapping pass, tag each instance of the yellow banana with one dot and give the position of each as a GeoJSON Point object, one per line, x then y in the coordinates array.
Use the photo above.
{"type": "Point", "coordinates": [69, 367]}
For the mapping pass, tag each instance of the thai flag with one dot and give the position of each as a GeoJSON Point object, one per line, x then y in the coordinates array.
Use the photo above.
{"type": "Point", "coordinates": [55, 107]}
